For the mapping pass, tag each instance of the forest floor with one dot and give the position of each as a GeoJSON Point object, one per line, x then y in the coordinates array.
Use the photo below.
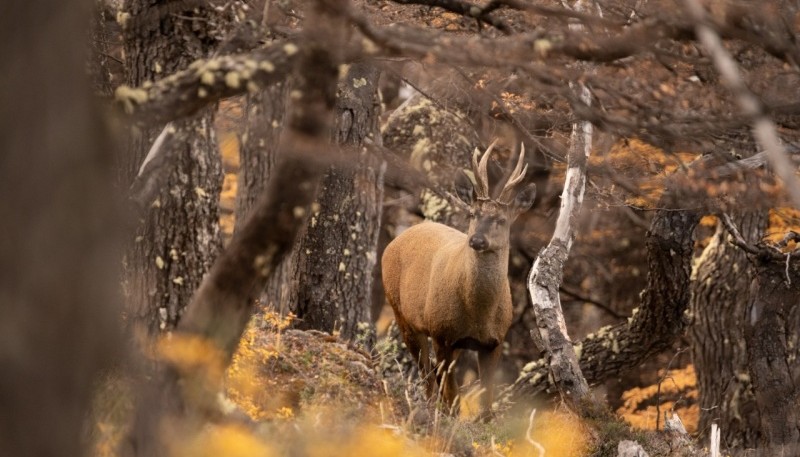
{"type": "Point", "coordinates": [306, 393]}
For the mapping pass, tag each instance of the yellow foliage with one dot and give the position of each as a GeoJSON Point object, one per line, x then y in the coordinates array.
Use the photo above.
{"type": "Point", "coordinates": [781, 222]}
{"type": "Point", "coordinates": [285, 412]}
{"type": "Point", "coordinates": [227, 197]}
{"type": "Point", "coordinates": [367, 440]}
{"type": "Point", "coordinates": [221, 440]}
{"type": "Point", "coordinates": [108, 439]}
{"type": "Point", "coordinates": [560, 433]}
{"type": "Point", "coordinates": [246, 385]}
{"type": "Point", "coordinates": [643, 166]}
{"type": "Point", "coordinates": [192, 354]}
{"type": "Point", "coordinates": [229, 147]}
{"type": "Point", "coordinates": [639, 407]}
{"type": "Point", "coordinates": [504, 449]}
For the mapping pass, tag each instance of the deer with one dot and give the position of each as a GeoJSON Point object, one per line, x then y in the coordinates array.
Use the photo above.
{"type": "Point", "coordinates": [452, 287]}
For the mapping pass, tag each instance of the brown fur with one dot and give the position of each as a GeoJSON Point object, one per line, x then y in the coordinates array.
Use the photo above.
{"type": "Point", "coordinates": [440, 287]}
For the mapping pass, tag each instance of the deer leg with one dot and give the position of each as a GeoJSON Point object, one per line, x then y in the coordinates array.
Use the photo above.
{"type": "Point", "coordinates": [417, 344]}
{"type": "Point", "coordinates": [487, 364]}
{"type": "Point", "coordinates": [446, 357]}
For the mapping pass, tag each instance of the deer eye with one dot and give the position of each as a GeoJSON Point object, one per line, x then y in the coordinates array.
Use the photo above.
{"type": "Point", "coordinates": [472, 214]}
{"type": "Point", "coordinates": [502, 221]}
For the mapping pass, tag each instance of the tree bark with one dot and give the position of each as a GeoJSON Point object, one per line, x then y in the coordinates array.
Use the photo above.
{"type": "Point", "coordinates": [259, 145]}
{"type": "Point", "coordinates": [720, 294]}
{"type": "Point", "coordinates": [258, 154]}
{"type": "Point", "coordinates": [337, 253]}
{"type": "Point", "coordinates": [179, 237]}
{"type": "Point", "coordinates": [769, 333]}
{"type": "Point", "coordinates": [547, 272]}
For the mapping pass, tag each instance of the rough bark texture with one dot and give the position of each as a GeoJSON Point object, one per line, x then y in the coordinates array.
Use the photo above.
{"type": "Point", "coordinates": [206, 82]}
{"type": "Point", "coordinates": [258, 154]}
{"type": "Point", "coordinates": [547, 273]}
{"type": "Point", "coordinates": [336, 256]}
{"type": "Point", "coordinates": [654, 325]}
{"type": "Point", "coordinates": [720, 294]}
{"type": "Point", "coordinates": [179, 236]}
{"type": "Point", "coordinates": [59, 308]}
{"type": "Point", "coordinates": [770, 334]}
{"type": "Point", "coordinates": [259, 146]}
{"type": "Point", "coordinates": [102, 60]}
{"type": "Point", "coordinates": [265, 112]}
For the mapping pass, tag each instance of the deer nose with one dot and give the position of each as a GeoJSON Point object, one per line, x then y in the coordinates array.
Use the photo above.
{"type": "Point", "coordinates": [478, 243]}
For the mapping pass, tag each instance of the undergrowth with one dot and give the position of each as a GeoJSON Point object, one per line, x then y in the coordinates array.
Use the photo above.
{"type": "Point", "coordinates": [306, 393]}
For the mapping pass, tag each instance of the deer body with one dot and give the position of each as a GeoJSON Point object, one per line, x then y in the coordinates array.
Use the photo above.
{"type": "Point", "coordinates": [453, 286]}
{"type": "Point", "coordinates": [444, 282]}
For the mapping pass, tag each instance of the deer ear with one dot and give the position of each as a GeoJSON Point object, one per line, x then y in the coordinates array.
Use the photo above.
{"type": "Point", "coordinates": [464, 188]}
{"type": "Point", "coordinates": [524, 199]}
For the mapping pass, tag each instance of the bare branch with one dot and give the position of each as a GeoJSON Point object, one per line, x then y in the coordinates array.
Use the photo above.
{"type": "Point", "coordinates": [463, 8]}
{"type": "Point", "coordinates": [738, 239]}
{"type": "Point", "coordinates": [206, 82]}
{"type": "Point", "coordinates": [763, 128]}
{"type": "Point", "coordinates": [658, 320]}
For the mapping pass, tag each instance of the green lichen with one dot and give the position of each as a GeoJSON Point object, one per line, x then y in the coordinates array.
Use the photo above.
{"type": "Point", "coordinates": [233, 79]}
{"type": "Point", "coordinates": [290, 49]}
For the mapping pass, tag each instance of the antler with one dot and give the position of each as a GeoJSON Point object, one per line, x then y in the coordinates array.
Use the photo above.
{"type": "Point", "coordinates": [516, 177]}
{"type": "Point", "coordinates": [481, 177]}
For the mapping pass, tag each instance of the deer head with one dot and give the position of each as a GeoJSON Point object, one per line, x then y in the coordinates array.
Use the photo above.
{"type": "Point", "coordinates": [491, 218]}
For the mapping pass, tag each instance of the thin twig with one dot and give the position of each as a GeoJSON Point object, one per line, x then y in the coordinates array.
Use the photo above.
{"type": "Point", "coordinates": [764, 129]}
{"type": "Point", "coordinates": [578, 296]}
{"type": "Point", "coordinates": [529, 435]}
{"type": "Point", "coordinates": [738, 240]}
{"type": "Point", "coordinates": [663, 378]}
{"type": "Point", "coordinates": [463, 8]}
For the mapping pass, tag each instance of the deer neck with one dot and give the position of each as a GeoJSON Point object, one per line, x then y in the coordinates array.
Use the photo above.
{"type": "Point", "coordinates": [487, 274]}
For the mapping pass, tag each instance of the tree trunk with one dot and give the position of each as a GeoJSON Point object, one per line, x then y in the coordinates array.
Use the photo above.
{"type": "Point", "coordinates": [546, 276]}
{"type": "Point", "coordinates": [258, 155]}
{"type": "Point", "coordinates": [59, 306]}
{"type": "Point", "coordinates": [769, 333]}
{"type": "Point", "coordinates": [265, 113]}
{"type": "Point", "coordinates": [259, 147]}
{"type": "Point", "coordinates": [179, 236]}
{"type": "Point", "coordinates": [336, 255]}
{"type": "Point", "coordinates": [720, 295]}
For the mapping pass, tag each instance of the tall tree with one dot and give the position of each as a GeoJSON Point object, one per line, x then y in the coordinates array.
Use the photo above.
{"type": "Point", "coordinates": [264, 114]}
{"type": "Point", "coordinates": [179, 235]}
{"type": "Point", "coordinates": [771, 335]}
{"type": "Point", "coordinates": [336, 255]}
{"type": "Point", "coordinates": [721, 291]}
